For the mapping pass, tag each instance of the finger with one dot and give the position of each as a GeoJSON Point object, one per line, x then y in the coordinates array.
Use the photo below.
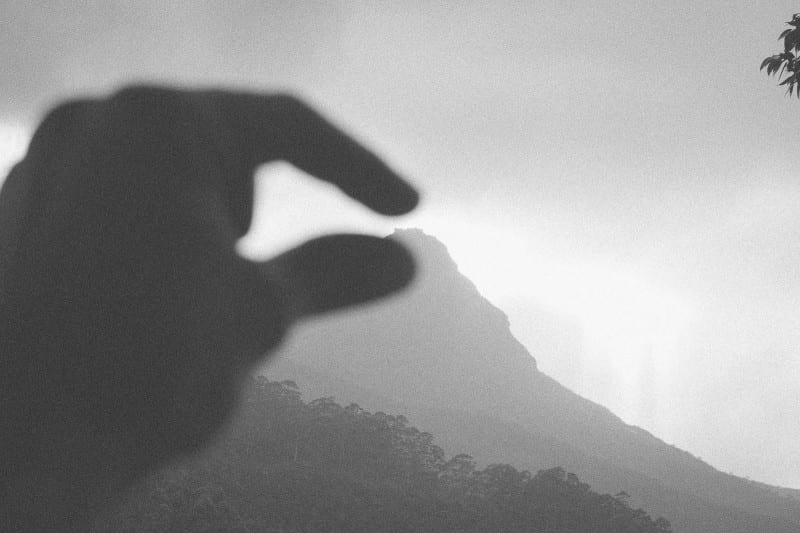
{"type": "Point", "coordinates": [271, 127]}
{"type": "Point", "coordinates": [338, 271]}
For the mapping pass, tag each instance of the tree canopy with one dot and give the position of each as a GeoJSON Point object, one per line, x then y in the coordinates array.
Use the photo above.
{"type": "Point", "coordinates": [787, 61]}
{"type": "Point", "coordinates": [289, 465]}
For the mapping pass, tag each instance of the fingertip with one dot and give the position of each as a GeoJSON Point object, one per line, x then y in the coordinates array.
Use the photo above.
{"type": "Point", "coordinates": [392, 265]}
{"type": "Point", "coordinates": [401, 201]}
{"type": "Point", "coordinates": [379, 187]}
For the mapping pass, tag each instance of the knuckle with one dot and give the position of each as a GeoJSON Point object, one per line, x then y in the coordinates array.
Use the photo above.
{"type": "Point", "coordinates": [289, 104]}
{"type": "Point", "coordinates": [288, 99]}
{"type": "Point", "coordinates": [65, 112]}
{"type": "Point", "coordinates": [60, 124]}
{"type": "Point", "coordinates": [146, 104]}
{"type": "Point", "coordinates": [142, 94]}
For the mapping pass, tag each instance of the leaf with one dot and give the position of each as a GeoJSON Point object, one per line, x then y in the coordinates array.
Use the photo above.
{"type": "Point", "coordinates": [791, 40]}
{"type": "Point", "coordinates": [792, 82]}
{"type": "Point", "coordinates": [774, 65]}
{"type": "Point", "coordinates": [784, 33]}
{"type": "Point", "coordinates": [771, 68]}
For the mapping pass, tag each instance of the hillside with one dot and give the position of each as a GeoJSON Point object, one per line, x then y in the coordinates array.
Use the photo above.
{"type": "Point", "coordinates": [294, 466]}
{"type": "Point", "coordinates": [445, 356]}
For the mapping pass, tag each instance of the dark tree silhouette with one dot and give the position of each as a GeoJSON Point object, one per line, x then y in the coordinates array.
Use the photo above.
{"type": "Point", "coordinates": [787, 62]}
{"type": "Point", "coordinates": [356, 471]}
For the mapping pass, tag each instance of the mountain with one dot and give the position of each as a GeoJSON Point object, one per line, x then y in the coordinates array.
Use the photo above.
{"type": "Point", "coordinates": [444, 356]}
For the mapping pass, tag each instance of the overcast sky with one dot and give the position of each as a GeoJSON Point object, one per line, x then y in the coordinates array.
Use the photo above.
{"type": "Point", "coordinates": [617, 176]}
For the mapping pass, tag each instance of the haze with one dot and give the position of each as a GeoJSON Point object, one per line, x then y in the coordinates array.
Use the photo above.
{"type": "Point", "coordinates": [617, 177]}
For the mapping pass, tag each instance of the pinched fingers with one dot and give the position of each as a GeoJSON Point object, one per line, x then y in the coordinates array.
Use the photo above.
{"type": "Point", "coordinates": [118, 267]}
{"type": "Point", "coordinates": [330, 272]}
{"type": "Point", "coordinates": [163, 146]}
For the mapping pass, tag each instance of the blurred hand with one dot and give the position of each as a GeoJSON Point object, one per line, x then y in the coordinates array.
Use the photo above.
{"type": "Point", "coordinates": [127, 317]}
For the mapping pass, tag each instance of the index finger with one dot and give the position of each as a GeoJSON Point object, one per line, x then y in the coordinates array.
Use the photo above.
{"type": "Point", "coordinates": [282, 127]}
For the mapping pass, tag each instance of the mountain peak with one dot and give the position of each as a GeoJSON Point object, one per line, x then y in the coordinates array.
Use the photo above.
{"type": "Point", "coordinates": [440, 351]}
{"type": "Point", "coordinates": [429, 250]}
{"type": "Point", "coordinates": [440, 326]}
{"type": "Point", "coordinates": [440, 283]}
{"type": "Point", "coordinates": [420, 237]}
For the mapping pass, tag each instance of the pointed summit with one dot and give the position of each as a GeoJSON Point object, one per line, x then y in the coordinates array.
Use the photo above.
{"type": "Point", "coordinates": [441, 330]}
{"type": "Point", "coordinates": [429, 250]}
{"type": "Point", "coordinates": [443, 355]}
{"type": "Point", "coordinates": [438, 277]}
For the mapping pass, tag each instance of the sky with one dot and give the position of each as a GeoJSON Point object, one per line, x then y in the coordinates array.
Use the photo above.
{"type": "Point", "coordinates": [618, 177]}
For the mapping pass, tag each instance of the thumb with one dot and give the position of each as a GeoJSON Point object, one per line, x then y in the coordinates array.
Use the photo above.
{"type": "Point", "coordinates": [337, 271]}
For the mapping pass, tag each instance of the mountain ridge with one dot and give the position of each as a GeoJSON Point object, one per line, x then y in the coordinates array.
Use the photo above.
{"type": "Point", "coordinates": [499, 442]}
{"type": "Point", "coordinates": [442, 344]}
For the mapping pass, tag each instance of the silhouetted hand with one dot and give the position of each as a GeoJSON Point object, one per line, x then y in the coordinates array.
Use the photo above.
{"type": "Point", "coordinates": [128, 318]}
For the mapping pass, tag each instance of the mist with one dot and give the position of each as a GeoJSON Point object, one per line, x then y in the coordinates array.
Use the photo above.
{"type": "Point", "coordinates": [618, 179]}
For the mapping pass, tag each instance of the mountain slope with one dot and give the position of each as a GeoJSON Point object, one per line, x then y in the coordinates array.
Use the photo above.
{"type": "Point", "coordinates": [445, 356]}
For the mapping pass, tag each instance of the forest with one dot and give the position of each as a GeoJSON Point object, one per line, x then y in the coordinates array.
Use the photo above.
{"type": "Point", "coordinates": [287, 465]}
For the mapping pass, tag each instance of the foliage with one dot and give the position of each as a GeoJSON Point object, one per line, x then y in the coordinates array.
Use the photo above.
{"type": "Point", "coordinates": [788, 61]}
{"type": "Point", "coordinates": [291, 466]}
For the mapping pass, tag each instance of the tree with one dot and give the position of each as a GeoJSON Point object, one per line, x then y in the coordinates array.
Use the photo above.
{"type": "Point", "coordinates": [788, 61]}
{"type": "Point", "coordinates": [290, 465]}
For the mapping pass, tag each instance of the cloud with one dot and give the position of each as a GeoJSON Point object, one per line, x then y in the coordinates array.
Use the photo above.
{"type": "Point", "coordinates": [62, 47]}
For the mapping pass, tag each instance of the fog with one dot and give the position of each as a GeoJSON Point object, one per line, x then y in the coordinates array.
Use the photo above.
{"type": "Point", "coordinates": [621, 171]}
